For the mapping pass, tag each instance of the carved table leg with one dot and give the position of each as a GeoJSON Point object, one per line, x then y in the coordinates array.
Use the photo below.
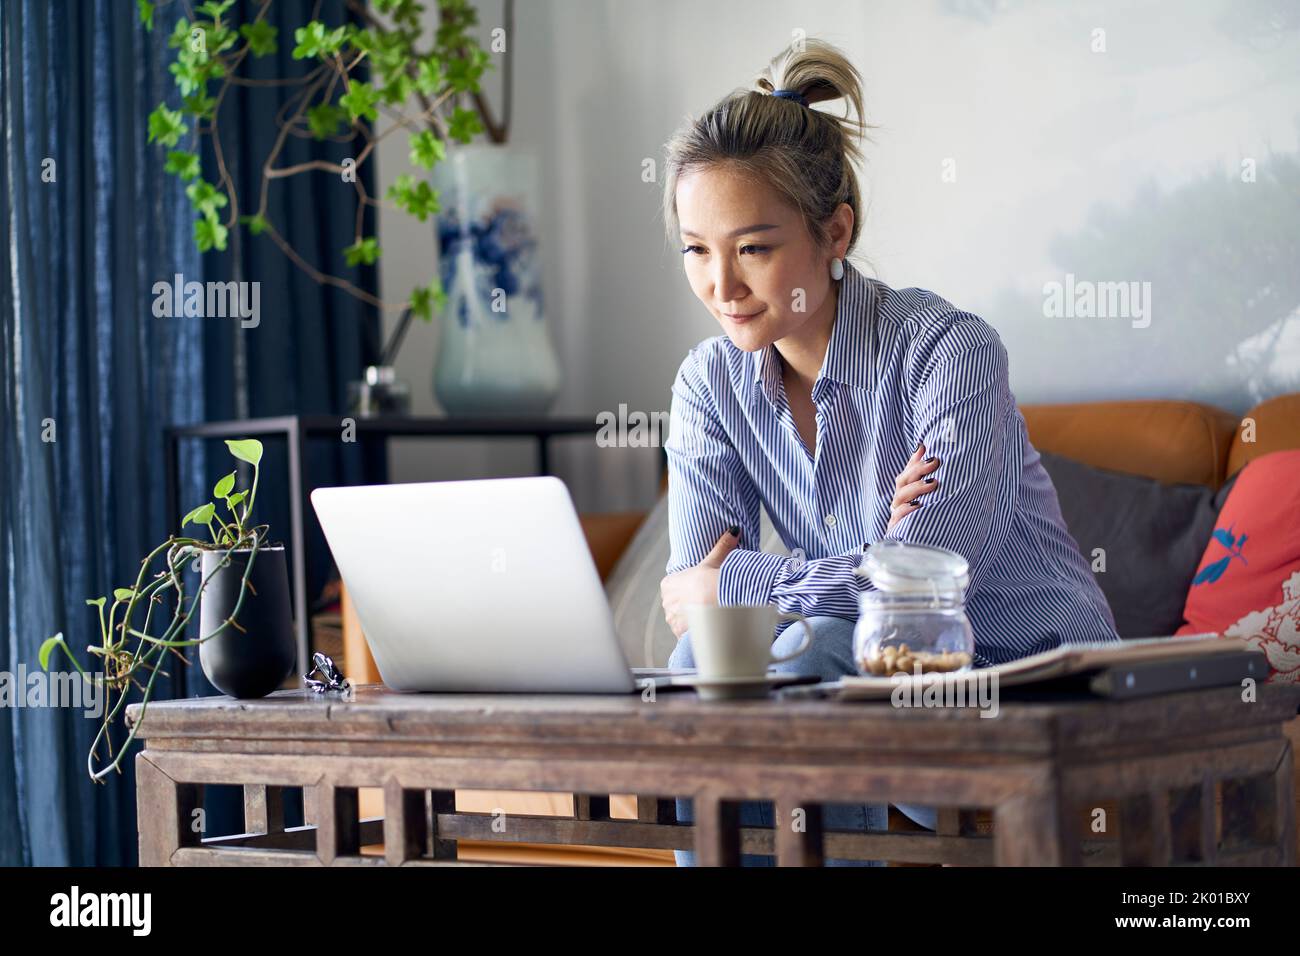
{"type": "Point", "coordinates": [1033, 829]}
{"type": "Point", "coordinates": [406, 826]}
{"type": "Point", "coordinates": [717, 830]}
{"type": "Point", "coordinates": [164, 813]}
{"type": "Point", "coordinates": [798, 832]}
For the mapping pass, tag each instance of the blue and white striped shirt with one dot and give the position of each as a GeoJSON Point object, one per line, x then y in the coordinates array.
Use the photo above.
{"type": "Point", "coordinates": [901, 366]}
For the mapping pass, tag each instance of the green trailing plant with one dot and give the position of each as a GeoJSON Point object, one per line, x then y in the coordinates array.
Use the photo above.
{"type": "Point", "coordinates": [416, 83]}
{"type": "Point", "coordinates": [133, 643]}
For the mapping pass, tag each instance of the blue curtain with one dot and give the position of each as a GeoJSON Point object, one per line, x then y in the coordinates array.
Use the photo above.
{"type": "Point", "coordinates": [91, 377]}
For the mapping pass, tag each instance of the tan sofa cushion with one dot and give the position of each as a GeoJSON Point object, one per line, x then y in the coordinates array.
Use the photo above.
{"type": "Point", "coordinates": [1276, 428]}
{"type": "Point", "coordinates": [1169, 441]}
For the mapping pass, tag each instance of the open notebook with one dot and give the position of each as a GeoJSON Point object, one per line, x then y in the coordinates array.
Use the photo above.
{"type": "Point", "coordinates": [1058, 662]}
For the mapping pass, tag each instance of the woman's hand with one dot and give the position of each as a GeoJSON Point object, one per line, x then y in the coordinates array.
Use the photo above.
{"type": "Point", "coordinates": [911, 484]}
{"type": "Point", "coordinates": [697, 585]}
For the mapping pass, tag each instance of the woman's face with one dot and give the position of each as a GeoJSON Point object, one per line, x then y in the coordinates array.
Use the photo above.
{"type": "Point", "coordinates": [749, 257]}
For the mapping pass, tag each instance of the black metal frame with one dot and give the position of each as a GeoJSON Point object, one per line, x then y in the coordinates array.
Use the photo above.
{"type": "Point", "coordinates": [297, 429]}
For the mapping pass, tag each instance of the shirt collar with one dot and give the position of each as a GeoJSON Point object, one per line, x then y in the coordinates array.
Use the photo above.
{"type": "Point", "coordinates": [848, 354]}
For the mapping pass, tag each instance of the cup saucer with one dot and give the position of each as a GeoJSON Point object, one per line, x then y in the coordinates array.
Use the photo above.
{"type": "Point", "coordinates": [736, 688]}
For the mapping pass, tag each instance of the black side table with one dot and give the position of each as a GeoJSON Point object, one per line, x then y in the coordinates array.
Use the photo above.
{"type": "Point", "coordinates": [297, 429]}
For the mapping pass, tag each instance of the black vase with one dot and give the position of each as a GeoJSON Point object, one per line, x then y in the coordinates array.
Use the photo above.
{"type": "Point", "coordinates": [254, 661]}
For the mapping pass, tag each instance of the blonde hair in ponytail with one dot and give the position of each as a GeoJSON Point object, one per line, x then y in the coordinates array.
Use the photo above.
{"type": "Point", "coordinates": [806, 155]}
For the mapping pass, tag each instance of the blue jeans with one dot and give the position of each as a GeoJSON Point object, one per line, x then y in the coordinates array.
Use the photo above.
{"type": "Point", "coordinates": [830, 657]}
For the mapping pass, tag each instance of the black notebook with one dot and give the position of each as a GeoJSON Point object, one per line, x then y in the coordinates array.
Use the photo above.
{"type": "Point", "coordinates": [1167, 676]}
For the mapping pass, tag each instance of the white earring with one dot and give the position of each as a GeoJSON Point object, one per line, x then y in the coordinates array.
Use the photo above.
{"type": "Point", "coordinates": [837, 269]}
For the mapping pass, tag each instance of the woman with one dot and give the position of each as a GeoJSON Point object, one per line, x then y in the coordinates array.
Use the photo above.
{"type": "Point", "coordinates": [851, 411]}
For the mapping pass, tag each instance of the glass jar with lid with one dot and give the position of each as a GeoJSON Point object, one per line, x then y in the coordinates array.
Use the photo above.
{"type": "Point", "coordinates": [914, 622]}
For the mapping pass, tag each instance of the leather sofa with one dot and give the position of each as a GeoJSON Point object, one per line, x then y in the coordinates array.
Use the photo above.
{"type": "Point", "coordinates": [1170, 441]}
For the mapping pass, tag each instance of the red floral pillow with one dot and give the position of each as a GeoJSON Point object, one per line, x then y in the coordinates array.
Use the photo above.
{"type": "Point", "coordinates": [1248, 582]}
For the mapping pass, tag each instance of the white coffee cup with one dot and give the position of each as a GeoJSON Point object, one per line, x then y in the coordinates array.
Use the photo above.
{"type": "Point", "coordinates": [736, 640]}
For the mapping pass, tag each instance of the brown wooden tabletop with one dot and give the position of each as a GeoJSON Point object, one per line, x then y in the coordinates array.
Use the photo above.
{"type": "Point", "coordinates": [1034, 764]}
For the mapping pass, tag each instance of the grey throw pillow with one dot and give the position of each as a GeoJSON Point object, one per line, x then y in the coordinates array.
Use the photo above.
{"type": "Point", "coordinates": [633, 588]}
{"type": "Point", "coordinates": [1153, 535]}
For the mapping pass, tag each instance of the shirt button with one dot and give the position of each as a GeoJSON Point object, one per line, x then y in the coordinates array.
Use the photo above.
{"type": "Point", "coordinates": [830, 521]}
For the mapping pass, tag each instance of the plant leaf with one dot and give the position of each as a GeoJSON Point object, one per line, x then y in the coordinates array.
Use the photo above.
{"type": "Point", "coordinates": [146, 17]}
{"type": "Point", "coordinates": [360, 101]}
{"type": "Point", "coordinates": [47, 648]}
{"type": "Point", "coordinates": [256, 223]}
{"type": "Point", "coordinates": [260, 37]}
{"type": "Point", "coordinates": [427, 150]}
{"type": "Point", "coordinates": [465, 70]}
{"type": "Point", "coordinates": [429, 77]}
{"type": "Point", "coordinates": [97, 602]}
{"type": "Point", "coordinates": [180, 34]}
{"type": "Point", "coordinates": [190, 72]}
{"type": "Point", "coordinates": [123, 594]}
{"type": "Point", "coordinates": [308, 40]}
{"type": "Point", "coordinates": [463, 125]}
{"type": "Point", "coordinates": [210, 234]}
{"type": "Point", "coordinates": [396, 90]}
{"type": "Point", "coordinates": [183, 164]}
{"type": "Point", "coordinates": [323, 119]}
{"type": "Point", "coordinates": [215, 9]}
{"type": "Point", "coordinates": [363, 250]}
{"type": "Point", "coordinates": [206, 198]}
{"type": "Point", "coordinates": [225, 486]}
{"type": "Point", "coordinates": [200, 515]}
{"type": "Point", "coordinates": [314, 40]}
{"type": "Point", "coordinates": [245, 449]}
{"type": "Point", "coordinates": [417, 198]}
{"type": "Point", "coordinates": [166, 126]}
{"type": "Point", "coordinates": [425, 298]}
{"type": "Point", "coordinates": [235, 499]}
{"type": "Point", "coordinates": [200, 105]}
{"type": "Point", "coordinates": [221, 39]}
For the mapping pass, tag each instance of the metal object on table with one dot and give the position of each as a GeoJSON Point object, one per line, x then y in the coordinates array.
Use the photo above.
{"type": "Point", "coordinates": [331, 678]}
{"type": "Point", "coordinates": [380, 392]}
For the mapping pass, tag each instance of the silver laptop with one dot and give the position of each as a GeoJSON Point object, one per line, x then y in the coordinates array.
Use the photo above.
{"type": "Point", "coordinates": [477, 586]}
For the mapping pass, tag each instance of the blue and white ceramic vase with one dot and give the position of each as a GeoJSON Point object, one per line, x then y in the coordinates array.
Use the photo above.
{"type": "Point", "coordinates": [494, 356]}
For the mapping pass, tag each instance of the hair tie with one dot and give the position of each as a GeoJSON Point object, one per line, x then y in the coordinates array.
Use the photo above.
{"type": "Point", "coordinates": [791, 95]}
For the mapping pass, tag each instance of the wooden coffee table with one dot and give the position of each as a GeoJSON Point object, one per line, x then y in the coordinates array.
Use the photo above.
{"type": "Point", "coordinates": [1198, 777]}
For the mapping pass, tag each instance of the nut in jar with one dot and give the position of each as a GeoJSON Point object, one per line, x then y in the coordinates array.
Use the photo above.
{"type": "Point", "coordinates": [900, 659]}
